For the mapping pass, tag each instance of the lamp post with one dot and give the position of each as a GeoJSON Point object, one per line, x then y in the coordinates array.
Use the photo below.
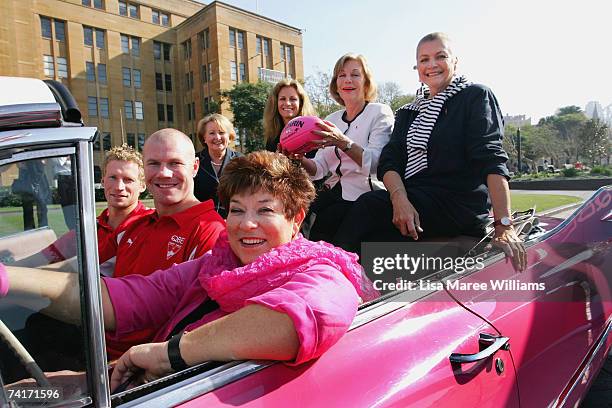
{"type": "Point", "coordinates": [518, 150]}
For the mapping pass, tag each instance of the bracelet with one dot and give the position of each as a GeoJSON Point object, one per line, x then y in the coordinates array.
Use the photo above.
{"type": "Point", "coordinates": [174, 353]}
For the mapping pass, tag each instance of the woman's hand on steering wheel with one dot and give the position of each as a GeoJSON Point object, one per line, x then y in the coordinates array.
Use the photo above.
{"type": "Point", "coordinates": [406, 217]}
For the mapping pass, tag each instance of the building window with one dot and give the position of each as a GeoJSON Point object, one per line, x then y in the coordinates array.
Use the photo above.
{"type": "Point", "coordinates": [125, 44]}
{"type": "Point", "coordinates": [133, 9]}
{"type": "Point", "coordinates": [240, 39]}
{"type": "Point", "coordinates": [127, 76]}
{"type": "Point", "coordinates": [168, 80]}
{"type": "Point", "coordinates": [189, 80]}
{"type": "Point", "coordinates": [137, 78]}
{"type": "Point", "coordinates": [170, 113]}
{"type": "Point", "coordinates": [45, 27]}
{"type": "Point", "coordinates": [88, 36]}
{"type": "Point", "coordinates": [282, 52]}
{"type": "Point", "coordinates": [155, 16]}
{"type": "Point", "coordinates": [193, 110]}
{"type": "Point", "coordinates": [62, 67]}
{"type": "Point", "coordinates": [289, 50]}
{"type": "Point", "coordinates": [203, 74]}
{"type": "Point", "coordinates": [138, 110]}
{"type": "Point", "coordinates": [188, 109]}
{"type": "Point", "coordinates": [233, 73]}
{"type": "Point", "coordinates": [129, 110]}
{"type": "Point", "coordinates": [186, 49]}
{"type": "Point", "coordinates": [104, 107]}
{"type": "Point", "coordinates": [90, 70]}
{"type": "Point", "coordinates": [210, 72]}
{"type": "Point", "coordinates": [136, 46]}
{"type": "Point", "coordinates": [106, 141]}
{"type": "Point", "coordinates": [99, 4]}
{"type": "Point", "coordinates": [161, 112]}
{"type": "Point", "coordinates": [48, 67]}
{"type": "Point", "coordinates": [266, 46]}
{"type": "Point", "coordinates": [86, 3]}
{"type": "Point", "coordinates": [92, 106]}
{"type": "Point", "coordinates": [205, 105]}
{"type": "Point", "coordinates": [165, 19]}
{"type": "Point", "coordinates": [204, 39]}
{"type": "Point", "coordinates": [159, 82]}
{"type": "Point", "coordinates": [100, 38]}
{"type": "Point", "coordinates": [102, 73]}
{"type": "Point", "coordinates": [232, 37]}
{"type": "Point", "coordinates": [157, 50]}
{"type": "Point", "coordinates": [242, 71]}
{"type": "Point", "coordinates": [60, 30]}
{"type": "Point", "coordinates": [131, 139]}
{"type": "Point", "coordinates": [122, 8]}
{"type": "Point", "coordinates": [258, 45]}
{"type": "Point", "coordinates": [166, 52]}
{"type": "Point", "coordinates": [141, 140]}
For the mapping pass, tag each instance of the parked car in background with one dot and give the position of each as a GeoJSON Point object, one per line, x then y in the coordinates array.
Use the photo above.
{"type": "Point", "coordinates": [537, 338]}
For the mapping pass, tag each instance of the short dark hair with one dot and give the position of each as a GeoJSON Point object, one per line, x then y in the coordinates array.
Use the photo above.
{"type": "Point", "coordinates": [270, 172]}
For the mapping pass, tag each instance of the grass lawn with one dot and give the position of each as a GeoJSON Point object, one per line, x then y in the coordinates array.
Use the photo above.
{"type": "Point", "coordinates": [542, 202]}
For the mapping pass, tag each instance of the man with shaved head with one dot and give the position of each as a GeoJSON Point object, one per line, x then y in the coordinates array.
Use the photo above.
{"type": "Point", "coordinates": [182, 228]}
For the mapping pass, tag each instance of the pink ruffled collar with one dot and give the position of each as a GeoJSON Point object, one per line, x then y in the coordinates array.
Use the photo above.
{"type": "Point", "coordinates": [230, 284]}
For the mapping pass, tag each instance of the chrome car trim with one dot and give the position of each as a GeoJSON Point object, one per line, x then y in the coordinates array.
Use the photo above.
{"type": "Point", "coordinates": [91, 279]}
{"type": "Point", "coordinates": [193, 387]}
{"type": "Point", "coordinates": [28, 138]}
{"type": "Point", "coordinates": [601, 342]}
{"type": "Point", "coordinates": [37, 154]}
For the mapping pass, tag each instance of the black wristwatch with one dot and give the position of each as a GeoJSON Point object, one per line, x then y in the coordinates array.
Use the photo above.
{"type": "Point", "coordinates": [174, 353]}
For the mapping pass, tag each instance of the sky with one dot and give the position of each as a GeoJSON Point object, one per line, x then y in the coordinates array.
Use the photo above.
{"type": "Point", "coordinates": [536, 55]}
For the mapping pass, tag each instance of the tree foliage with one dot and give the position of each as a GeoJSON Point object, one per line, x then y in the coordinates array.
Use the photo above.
{"type": "Point", "coordinates": [391, 93]}
{"type": "Point", "coordinates": [566, 137]}
{"type": "Point", "coordinates": [247, 102]}
{"type": "Point", "coordinates": [317, 88]}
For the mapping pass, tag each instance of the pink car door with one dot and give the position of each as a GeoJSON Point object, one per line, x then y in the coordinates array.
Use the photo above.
{"type": "Point", "coordinates": [555, 313]}
{"type": "Point", "coordinates": [396, 355]}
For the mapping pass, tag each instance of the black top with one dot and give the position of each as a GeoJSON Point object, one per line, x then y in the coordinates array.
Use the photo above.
{"type": "Point", "coordinates": [464, 147]}
{"type": "Point", "coordinates": [206, 181]}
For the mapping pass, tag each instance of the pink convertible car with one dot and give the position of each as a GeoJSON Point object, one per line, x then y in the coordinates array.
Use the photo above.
{"type": "Point", "coordinates": [483, 336]}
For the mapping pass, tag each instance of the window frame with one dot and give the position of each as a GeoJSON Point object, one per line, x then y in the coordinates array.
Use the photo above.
{"type": "Point", "coordinates": [46, 32]}
{"type": "Point", "coordinates": [126, 75]}
{"type": "Point", "coordinates": [48, 70]}
{"type": "Point", "coordinates": [104, 107]}
{"type": "Point", "coordinates": [92, 107]}
{"type": "Point", "coordinates": [102, 74]}
{"type": "Point", "coordinates": [138, 110]}
{"type": "Point", "coordinates": [60, 65]}
{"type": "Point", "coordinates": [128, 106]}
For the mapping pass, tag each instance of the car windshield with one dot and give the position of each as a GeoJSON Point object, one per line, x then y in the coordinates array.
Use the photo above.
{"type": "Point", "coordinates": [38, 229]}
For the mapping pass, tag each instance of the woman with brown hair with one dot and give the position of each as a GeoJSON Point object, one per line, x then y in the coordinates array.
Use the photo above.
{"type": "Point", "coordinates": [286, 101]}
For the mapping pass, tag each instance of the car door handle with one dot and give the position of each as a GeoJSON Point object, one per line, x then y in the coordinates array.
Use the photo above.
{"type": "Point", "coordinates": [495, 343]}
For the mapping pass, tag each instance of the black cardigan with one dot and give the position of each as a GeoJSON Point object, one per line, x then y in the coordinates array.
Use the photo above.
{"type": "Point", "coordinates": [464, 147]}
{"type": "Point", "coordinates": [205, 182]}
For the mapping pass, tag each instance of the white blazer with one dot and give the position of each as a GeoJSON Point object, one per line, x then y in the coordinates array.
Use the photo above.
{"type": "Point", "coordinates": [371, 130]}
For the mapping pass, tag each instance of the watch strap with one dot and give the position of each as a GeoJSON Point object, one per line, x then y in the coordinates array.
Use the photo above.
{"type": "Point", "coordinates": [499, 222]}
{"type": "Point", "coordinates": [174, 353]}
{"type": "Point", "coordinates": [348, 146]}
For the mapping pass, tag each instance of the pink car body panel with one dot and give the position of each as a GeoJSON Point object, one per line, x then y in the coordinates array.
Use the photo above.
{"type": "Point", "coordinates": [398, 360]}
{"type": "Point", "coordinates": [401, 359]}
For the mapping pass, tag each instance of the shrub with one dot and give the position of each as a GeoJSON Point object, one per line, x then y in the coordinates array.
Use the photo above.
{"type": "Point", "coordinates": [601, 170]}
{"type": "Point", "coordinates": [569, 172]}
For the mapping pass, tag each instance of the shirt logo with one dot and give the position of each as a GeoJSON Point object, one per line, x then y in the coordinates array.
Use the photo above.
{"type": "Point", "coordinates": [174, 245]}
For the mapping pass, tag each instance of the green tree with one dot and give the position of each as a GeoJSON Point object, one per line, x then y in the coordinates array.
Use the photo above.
{"type": "Point", "coordinates": [567, 122]}
{"type": "Point", "coordinates": [594, 141]}
{"type": "Point", "coordinates": [247, 102]}
{"type": "Point", "coordinates": [391, 94]}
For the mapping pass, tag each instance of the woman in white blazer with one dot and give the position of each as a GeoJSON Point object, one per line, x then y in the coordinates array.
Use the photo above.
{"type": "Point", "coordinates": [352, 139]}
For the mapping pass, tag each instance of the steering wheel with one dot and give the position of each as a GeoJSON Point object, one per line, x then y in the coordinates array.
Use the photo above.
{"type": "Point", "coordinates": [26, 359]}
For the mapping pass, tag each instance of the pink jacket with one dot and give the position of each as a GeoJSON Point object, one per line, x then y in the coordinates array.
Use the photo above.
{"type": "Point", "coordinates": [316, 284]}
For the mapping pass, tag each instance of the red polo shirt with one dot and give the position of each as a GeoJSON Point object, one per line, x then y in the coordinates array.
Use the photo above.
{"type": "Point", "coordinates": [65, 246]}
{"type": "Point", "coordinates": [155, 243]}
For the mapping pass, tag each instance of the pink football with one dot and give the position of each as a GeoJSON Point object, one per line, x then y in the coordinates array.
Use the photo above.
{"type": "Point", "coordinates": [297, 136]}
